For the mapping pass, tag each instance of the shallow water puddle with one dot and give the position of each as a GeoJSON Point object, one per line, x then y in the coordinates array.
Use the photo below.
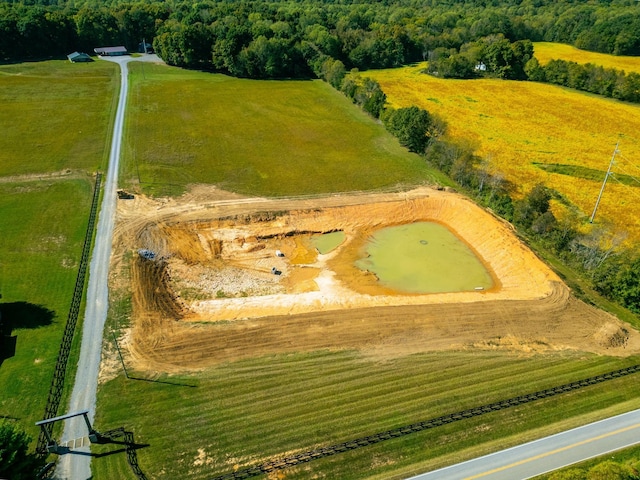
{"type": "Point", "coordinates": [327, 242]}
{"type": "Point", "coordinates": [423, 257]}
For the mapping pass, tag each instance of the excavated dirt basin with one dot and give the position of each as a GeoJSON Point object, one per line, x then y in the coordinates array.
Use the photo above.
{"type": "Point", "coordinates": [211, 296]}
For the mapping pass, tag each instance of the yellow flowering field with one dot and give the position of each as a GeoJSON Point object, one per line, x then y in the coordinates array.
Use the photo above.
{"type": "Point", "coordinates": [546, 51]}
{"type": "Point", "coordinates": [514, 125]}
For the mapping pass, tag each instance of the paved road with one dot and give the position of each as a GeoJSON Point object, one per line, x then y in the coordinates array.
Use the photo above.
{"type": "Point", "coordinates": [547, 454]}
{"type": "Point", "coordinates": [77, 464]}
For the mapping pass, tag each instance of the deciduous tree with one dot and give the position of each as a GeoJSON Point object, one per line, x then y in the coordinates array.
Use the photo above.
{"type": "Point", "coordinates": [16, 463]}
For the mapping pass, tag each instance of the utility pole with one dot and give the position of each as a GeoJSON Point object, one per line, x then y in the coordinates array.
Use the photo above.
{"type": "Point", "coordinates": [615, 151]}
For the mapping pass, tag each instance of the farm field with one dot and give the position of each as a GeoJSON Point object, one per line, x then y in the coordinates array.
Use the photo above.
{"type": "Point", "coordinates": [545, 51]}
{"type": "Point", "coordinates": [46, 186]}
{"type": "Point", "coordinates": [521, 128]}
{"type": "Point", "coordinates": [261, 384]}
{"type": "Point", "coordinates": [207, 397]}
{"type": "Point", "coordinates": [256, 137]}
{"type": "Point", "coordinates": [237, 392]}
{"type": "Point", "coordinates": [43, 226]}
{"type": "Point", "coordinates": [55, 116]}
{"type": "Point", "coordinates": [264, 408]}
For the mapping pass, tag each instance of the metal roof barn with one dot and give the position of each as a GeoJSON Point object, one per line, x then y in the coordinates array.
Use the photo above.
{"type": "Point", "coordinates": [111, 51]}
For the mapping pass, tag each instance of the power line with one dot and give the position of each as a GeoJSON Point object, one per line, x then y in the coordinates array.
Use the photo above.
{"type": "Point", "coordinates": [627, 160]}
{"type": "Point", "coordinates": [631, 177]}
{"type": "Point", "coordinates": [630, 189]}
{"type": "Point", "coordinates": [606, 177]}
{"type": "Point", "coordinates": [630, 164]}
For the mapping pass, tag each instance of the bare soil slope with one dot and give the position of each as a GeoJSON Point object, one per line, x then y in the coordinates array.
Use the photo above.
{"type": "Point", "coordinates": [210, 295]}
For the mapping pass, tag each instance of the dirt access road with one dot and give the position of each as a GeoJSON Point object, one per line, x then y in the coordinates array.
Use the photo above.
{"type": "Point", "coordinates": [209, 295]}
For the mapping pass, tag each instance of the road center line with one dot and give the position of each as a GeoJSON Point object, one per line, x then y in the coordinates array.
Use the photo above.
{"type": "Point", "coordinates": [553, 452]}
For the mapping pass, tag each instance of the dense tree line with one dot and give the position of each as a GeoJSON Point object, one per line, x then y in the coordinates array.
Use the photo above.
{"type": "Point", "coordinates": [258, 38]}
{"type": "Point", "coordinates": [493, 56]}
{"type": "Point", "coordinates": [497, 57]}
{"type": "Point", "coordinates": [609, 82]}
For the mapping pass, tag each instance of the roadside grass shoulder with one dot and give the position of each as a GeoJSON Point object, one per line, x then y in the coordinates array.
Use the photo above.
{"type": "Point", "coordinates": [519, 127]}
{"type": "Point", "coordinates": [628, 456]}
{"type": "Point", "coordinates": [268, 138]}
{"type": "Point", "coordinates": [241, 414]}
{"type": "Point", "coordinates": [43, 228]}
{"type": "Point", "coordinates": [55, 116]}
{"type": "Point", "coordinates": [547, 51]}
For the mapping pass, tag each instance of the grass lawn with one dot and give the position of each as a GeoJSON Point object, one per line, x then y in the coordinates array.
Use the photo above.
{"type": "Point", "coordinates": [43, 228]}
{"type": "Point", "coordinates": [546, 51]}
{"type": "Point", "coordinates": [520, 128]}
{"type": "Point", "coordinates": [244, 413]}
{"type": "Point", "coordinates": [256, 137]}
{"type": "Point", "coordinates": [56, 115]}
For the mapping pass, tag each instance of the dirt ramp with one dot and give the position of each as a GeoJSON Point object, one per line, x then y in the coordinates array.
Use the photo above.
{"type": "Point", "coordinates": [533, 326]}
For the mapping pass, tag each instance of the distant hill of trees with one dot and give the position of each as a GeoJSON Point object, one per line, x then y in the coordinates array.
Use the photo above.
{"type": "Point", "coordinates": [286, 38]}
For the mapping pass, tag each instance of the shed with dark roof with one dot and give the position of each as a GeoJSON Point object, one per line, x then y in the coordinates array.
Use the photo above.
{"type": "Point", "coordinates": [79, 57]}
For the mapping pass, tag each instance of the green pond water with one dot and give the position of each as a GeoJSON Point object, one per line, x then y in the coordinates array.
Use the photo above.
{"type": "Point", "coordinates": [327, 242]}
{"type": "Point", "coordinates": [423, 257]}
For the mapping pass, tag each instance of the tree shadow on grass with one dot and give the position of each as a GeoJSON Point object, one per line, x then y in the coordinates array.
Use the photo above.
{"type": "Point", "coordinates": [25, 315]}
{"type": "Point", "coordinates": [19, 315]}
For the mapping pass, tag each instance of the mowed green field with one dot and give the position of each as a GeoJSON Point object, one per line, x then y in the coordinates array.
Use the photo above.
{"type": "Point", "coordinates": [55, 115]}
{"type": "Point", "coordinates": [242, 414]}
{"type": "Point", "coordinates": [256, 137]}
{"type": "Point", "coordinates": [43, 219]}
{"type": "Point", "coordinates": [43, 228]}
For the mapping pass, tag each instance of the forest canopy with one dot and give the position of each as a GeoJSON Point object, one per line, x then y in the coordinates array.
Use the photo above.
{"type": "Point", "coordinates": [276, 39]}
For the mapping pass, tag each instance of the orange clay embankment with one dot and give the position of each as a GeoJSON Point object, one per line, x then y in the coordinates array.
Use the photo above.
{"type": "Point", "coordinates": [217, 256]}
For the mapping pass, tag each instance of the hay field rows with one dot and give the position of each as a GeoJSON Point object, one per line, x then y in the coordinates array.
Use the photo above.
{"type": "Point", "coordinates": [260, 409]}
{"type": "Point", "coordinates": [515, 125]}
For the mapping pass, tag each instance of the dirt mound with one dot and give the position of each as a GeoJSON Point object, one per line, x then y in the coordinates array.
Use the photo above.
{"type": "Point", "coordinates": [611, 335]}
{"type": "Point", "coordinates": [212, 296]}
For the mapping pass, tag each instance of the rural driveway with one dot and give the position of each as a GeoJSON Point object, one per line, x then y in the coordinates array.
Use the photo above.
{"type": "Point", "coordinates": [76, 465]}
{"type": "Point", "coordinates": [547, 454]}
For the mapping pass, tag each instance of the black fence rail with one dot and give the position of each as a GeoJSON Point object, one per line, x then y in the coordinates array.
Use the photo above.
{"type": "Point", "coordinates": [130, 448]}
{"type": "Point", "coordinates": [57, 384]}
{"type": "Point", "coordinates": [328, 451]}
